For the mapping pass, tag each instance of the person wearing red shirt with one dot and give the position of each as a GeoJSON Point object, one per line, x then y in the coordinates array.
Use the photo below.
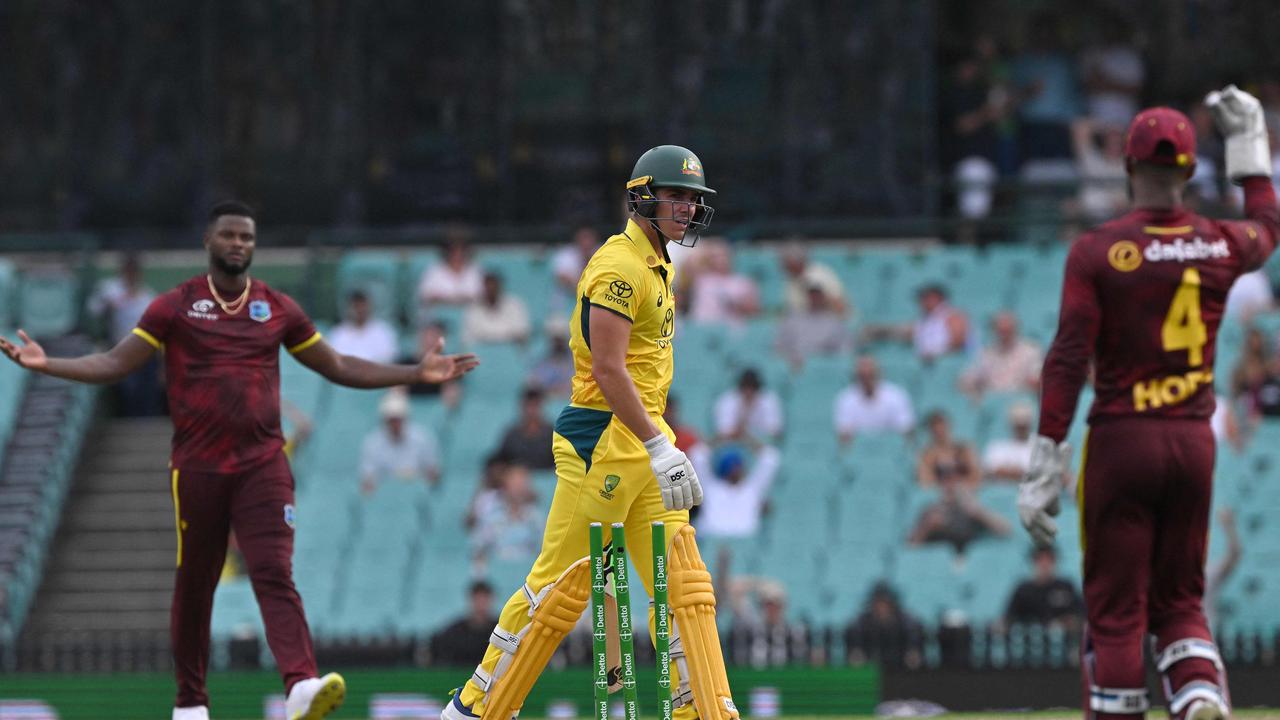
{"type": "Point", "coordinates": [220, 334]}
{"type": "Point", "coordinates": [1143, 298]}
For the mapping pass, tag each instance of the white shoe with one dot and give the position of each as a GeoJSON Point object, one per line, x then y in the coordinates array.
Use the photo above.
{"type": "Point", "coordinates": [315, 698]}
{"type": "Point", "coordinates": [1206, 710]}
{"type": "Point", "coordinates": [199, 712]}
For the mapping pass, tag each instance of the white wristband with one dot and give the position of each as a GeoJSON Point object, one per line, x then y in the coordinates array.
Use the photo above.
{"type": "Point", "coordinates": [656, 444]}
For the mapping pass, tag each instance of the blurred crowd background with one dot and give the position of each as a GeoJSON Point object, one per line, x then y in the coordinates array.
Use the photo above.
{"type": "Point", "coordinates": [119, 115]}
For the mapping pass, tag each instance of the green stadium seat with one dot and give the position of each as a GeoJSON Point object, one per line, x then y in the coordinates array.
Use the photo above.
{"type": "Point", "coordinates": [235, 608]}
{"type": "Point", "coordinates": [923, 576]}
{"type": "Point", "coordinates": [8, 293]}
{"type": "Point", "coordinates": [48, 302]}
{"type": "Point", "coordinates": [377, 274]}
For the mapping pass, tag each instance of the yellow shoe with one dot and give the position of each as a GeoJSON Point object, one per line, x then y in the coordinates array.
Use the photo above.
{"type": "Point", "coordinates": [315, 698]}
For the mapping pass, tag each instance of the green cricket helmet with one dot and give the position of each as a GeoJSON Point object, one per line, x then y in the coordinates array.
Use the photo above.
{"type": "Point", "coordinates": [675, 167]}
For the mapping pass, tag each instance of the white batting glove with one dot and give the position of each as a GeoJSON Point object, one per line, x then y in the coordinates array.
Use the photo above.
{"type": "Point", "coordinates": [1038, 493]}
{"type": "Point", "coordinates": [1239, 117]}
{"type": "Point", "coordinates": [677, 479]}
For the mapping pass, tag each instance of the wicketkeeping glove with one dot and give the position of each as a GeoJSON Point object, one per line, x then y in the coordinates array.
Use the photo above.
{"type": "Point", "coordinates": [1038, 493]}
{"type": "Point", "coordinates": [1239, 117]}
{"type": "Point", "coordinates": [676, 477]}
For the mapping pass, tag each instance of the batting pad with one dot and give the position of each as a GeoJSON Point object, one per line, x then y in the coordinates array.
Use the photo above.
{"type": "Point", "coordinates": [693, 601]}
{"type": "Point", "coordinates": [555, 614]}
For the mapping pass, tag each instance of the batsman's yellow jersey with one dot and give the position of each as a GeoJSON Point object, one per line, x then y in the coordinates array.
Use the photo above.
{"type": "Point", "coordinates": [628, 278]}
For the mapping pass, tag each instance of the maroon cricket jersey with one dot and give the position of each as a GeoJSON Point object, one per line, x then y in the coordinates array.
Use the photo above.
{"type": "Point", "coordinates": [223, 372]}
{"type": "Point", "coordinates": [1143, 298]}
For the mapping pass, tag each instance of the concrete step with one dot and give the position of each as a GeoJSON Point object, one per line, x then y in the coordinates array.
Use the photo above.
{"type": "Point", "coordinates": [79, 520]}
{"type": "Point", "coordinates": [111, 540]}
{"type": "Point", "coordinates": [154, 462]}
{"type": "Point", "coordinates": [140, 581]}
{"type": "Point", "coordinates": [101, 620]}
{"type": "Point", "coordinates": [118, 502]}
{"type": "Point", "coordinates": [98, 480]}
{"type": "Point", "coordinates": [109, 602]}
{"type": "Point", "coordinates": [122, 560]}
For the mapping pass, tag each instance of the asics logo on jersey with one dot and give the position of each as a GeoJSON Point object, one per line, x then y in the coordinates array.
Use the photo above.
{"type": "Point", "coordinates": [1180, 250]}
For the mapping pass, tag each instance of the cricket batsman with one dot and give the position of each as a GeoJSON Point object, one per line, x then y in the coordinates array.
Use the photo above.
{"type": "Point", "coordinates": [1143, 298]}
{"type": "Point", "coordinates": [616, 461]}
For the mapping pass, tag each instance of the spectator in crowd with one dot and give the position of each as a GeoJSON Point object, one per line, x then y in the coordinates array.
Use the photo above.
{"type": "Point", "coordinates": [884, 633]}
{"type": "Point", "coordinates": [508, 525]}
{"type": "Point", "coordinates": [1099, 155]}
{"type": "Point", "coordinates": [871, 405]}
{"type": "Point", "coordinates": [498, 317]}
{"type": "Point", "coordinates": [120, 300]}
{"type": "Point", "coordinates": [802, 275]}
{"type": "Point", "coordinates": [945, 460]}
{"type": "Point", "coordinates": [118, 303]}
{"type": "Point", "coordinates": [818, 329]}
{"type": "Point", "coordinates": [1250, 295]}
{"type": "Point", "coordinates": [1254, 380]}
{"type": "Point", "coordinates": [568, 262]}
{"type": "Point", "coordinates": [1045, 598]}
{"type": "Point", "coordinates": [736, 496]}
{"type": "Point", "coordinates": [976, 109]}
{"type": "Point", "coordinates": [1206, 181]}
{"type": "Point", "coordinates": [362, 335]}
{"type": "Point", "coordinates": [721, 295]}
{"type": "Point", "coordinates": [1044, 72]}
{"type": "Point", "coordinates": [1010, 364]}
{"type": "Point", "coordinates": [491, 478]}
{"type": "Point", "coordinates": [456, 281]}
{"type": "Point", "coordinates": [528, 441]}
{"type": "Point", "coordinates": [687, 436]}
{"type": "Point", "coordinates": [299, 428]}
{"type": "Point", "coordinates": [459, 643]}
{"type": "Point", "coordinates": [554, 372]}
{"type": "Point", "coordinates": [397, 449]}
{"type": "Point", "coordinates": [1112, 73]}
{"type": "Point", "coordinates": [760, 635]}
{"type": "Point", "coordinates": [1226, 425]}
{"type": "Point", "coordinates": [432, 334]}
{"type": "Point", "coordinates": [1221, 570]}
{"type": "Point", "coordinates": [957, 518]}
{"type": "Point", "coordinates": [940, 330]}
{"type": "Point", "coordinates": [748, 411]}
{"type": "Point", "coordinates": [1007, 459]}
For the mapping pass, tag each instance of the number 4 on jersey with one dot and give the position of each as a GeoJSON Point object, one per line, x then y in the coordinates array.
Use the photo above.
{"type": "Point", "coordinates": [1183, 329]}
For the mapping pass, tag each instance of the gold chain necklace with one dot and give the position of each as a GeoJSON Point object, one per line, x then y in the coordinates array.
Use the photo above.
{"type": "Point", "coordinates": [235, 306]}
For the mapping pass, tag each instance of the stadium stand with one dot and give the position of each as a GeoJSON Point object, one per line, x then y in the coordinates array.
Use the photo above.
{"type": "Point", "coordinates": [389, 565]}
{"type": "Point", "coordinates": [400, 552]}
{"type": "Point", "coordinates": [46, 424]}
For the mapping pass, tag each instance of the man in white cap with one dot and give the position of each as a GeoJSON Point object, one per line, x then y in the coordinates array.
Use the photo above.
{"type": "Point", "coordinates": [397, 449]}
{"type": "Point", "coordinates": [1008, 458]}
